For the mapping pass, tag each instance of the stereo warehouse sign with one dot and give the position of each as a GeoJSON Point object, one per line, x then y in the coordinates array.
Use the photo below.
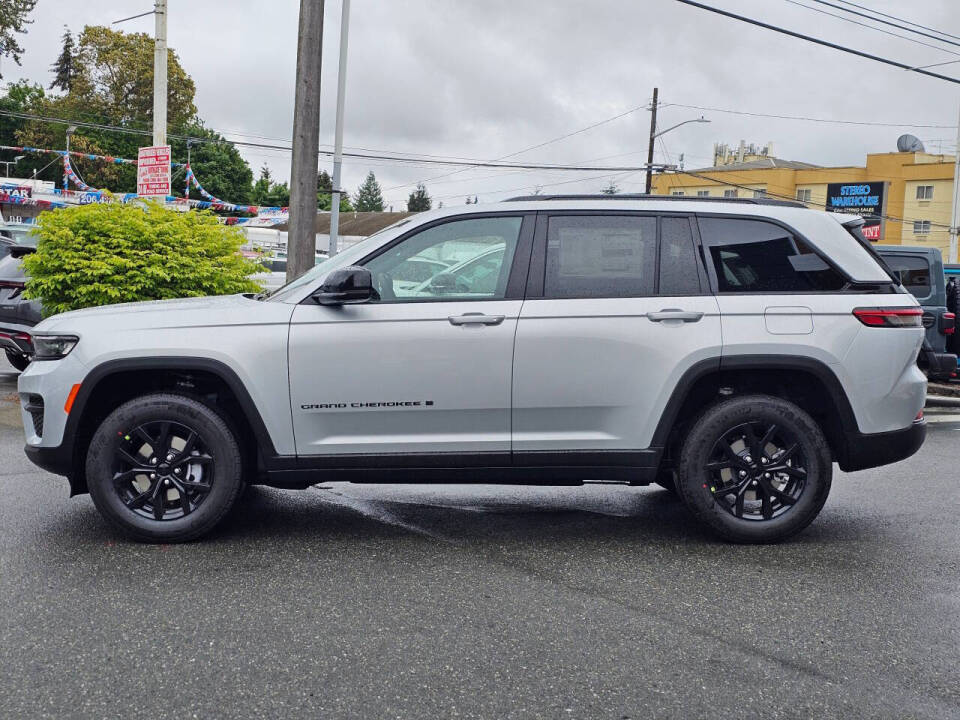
{"type": "Point", "coordinates": [866, 199]}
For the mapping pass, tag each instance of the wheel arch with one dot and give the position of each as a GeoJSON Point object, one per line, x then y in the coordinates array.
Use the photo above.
{"type": "Point", "coordinates": [114, 382]}
{"type": "Point", "coordinates": [807, 382]}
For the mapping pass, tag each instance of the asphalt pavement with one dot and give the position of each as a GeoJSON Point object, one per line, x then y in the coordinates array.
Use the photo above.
{"type": "Point", "coordinates": [376, 601]}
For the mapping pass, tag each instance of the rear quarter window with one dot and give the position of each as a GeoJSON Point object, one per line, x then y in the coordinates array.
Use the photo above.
{"type": "Point", "coordinates": [756, 256]}
{"type": "Point", "coordinates": [913, 272]}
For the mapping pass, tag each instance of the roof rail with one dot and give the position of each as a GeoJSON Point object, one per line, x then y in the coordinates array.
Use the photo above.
{"type": "Point", "coordinates": [643, 196]}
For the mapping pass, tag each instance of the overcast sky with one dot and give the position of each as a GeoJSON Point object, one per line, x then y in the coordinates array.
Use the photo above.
{"type": "Point", "coordinates": [486, 79]}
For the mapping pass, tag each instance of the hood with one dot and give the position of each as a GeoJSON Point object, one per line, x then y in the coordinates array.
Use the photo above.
{"type": "Point", "coordinates": [185, 312]}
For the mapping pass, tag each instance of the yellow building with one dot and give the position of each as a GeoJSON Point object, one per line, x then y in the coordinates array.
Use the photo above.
{"type": "Point", "coordinates": [915, 190]}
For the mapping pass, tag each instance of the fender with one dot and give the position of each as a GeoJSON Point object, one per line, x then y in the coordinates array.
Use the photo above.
{"type": "Point", "coordinates": [60, 460]}
{"type": "Point", "coordinates": [703, 368]}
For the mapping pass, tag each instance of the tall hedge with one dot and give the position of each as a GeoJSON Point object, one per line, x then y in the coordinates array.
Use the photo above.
{"type": "Point", "coordinates": [111, 253]}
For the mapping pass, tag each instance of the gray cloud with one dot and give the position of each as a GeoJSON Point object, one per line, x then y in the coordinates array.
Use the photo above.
{"type": "Point", "coordinates": [483, 80]}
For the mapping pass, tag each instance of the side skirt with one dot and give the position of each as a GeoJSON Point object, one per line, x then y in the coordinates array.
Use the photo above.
{"type": "Point", "coordinates": [536, 468]}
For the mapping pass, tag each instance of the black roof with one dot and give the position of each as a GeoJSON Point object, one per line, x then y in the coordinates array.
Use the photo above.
{"type": "Point", "coordinates": [643, 196]}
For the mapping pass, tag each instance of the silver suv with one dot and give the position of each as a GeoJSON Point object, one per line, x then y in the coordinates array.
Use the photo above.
{"type": "Point", "coordinates": [729, 351]}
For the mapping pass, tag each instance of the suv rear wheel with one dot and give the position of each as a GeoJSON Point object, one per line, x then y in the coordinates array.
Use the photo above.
{"type": "Point", "coordinates": [755, 469]}
{"type": "Point", "coordinates": [164, 468]}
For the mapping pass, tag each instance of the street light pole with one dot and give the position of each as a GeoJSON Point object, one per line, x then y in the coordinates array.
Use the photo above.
{"type": "Point", "coordinates": [71, 129]}
{"type": "Point", "coordinates": [160, 74]}
{"type": "Point", "coordinates": [338, 139]}
{"type": "Point", "coordinates": [302, 228]}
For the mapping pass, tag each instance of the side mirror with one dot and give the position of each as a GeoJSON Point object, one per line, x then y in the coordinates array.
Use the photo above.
{"type": "Point", "coordinates": [347, 286]}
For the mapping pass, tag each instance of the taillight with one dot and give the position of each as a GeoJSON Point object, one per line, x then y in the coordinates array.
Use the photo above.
{"type": "Point", "coordinates": [947, 323]}
{"type": "Point", "coordinates": [890, 317]}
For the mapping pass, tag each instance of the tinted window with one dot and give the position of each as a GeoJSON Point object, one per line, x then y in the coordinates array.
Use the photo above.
{"type": "Point", "coordinates": [459, 260]}
{"type": "Point", "coordinates": [912, 272]}
{"type": "Point", "coordinates": [757, 256]}
{"type": "Point", "coordinates": [678, 260]}
{"type": "Point", "coordinates": [600, 256]}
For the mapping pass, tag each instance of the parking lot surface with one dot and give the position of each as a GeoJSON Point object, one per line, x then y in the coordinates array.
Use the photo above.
{"type": "Point", "coordinates": [370, 601]}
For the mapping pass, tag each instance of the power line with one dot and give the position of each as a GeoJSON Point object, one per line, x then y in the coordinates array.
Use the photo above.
{"type": "Point", "coordinates": [809, 119]}
{"type": "Point", "coordinates": [818, 41]}
{"type": "Point", "coordinates": [364, 156]}
{"type": "Point", "coordinates": [532, 147]}
{"type": "Point", "coordinates": [892, 17]}
{"type": "Point", "coordinates": [691, 173]}
{"type": "Point", "coordinates": [871, 27]}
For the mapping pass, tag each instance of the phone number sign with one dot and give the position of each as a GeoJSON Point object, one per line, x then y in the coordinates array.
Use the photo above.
{"type": "Point", "coordinates": [153, 171]}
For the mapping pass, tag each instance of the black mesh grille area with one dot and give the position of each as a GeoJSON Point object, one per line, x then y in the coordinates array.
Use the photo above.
{"type": "Point", "coordinates": [34, 406]}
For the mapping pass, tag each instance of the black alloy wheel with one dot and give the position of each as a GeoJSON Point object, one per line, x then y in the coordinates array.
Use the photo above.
{"type": "Point", "coordinates": [163, 470]}
{"type": "Point", "coordinates": [758, 470]}
{"type": "Point", "coordinates": [755, 469]}
{"type": "Point", "coordinates": [165, 467]}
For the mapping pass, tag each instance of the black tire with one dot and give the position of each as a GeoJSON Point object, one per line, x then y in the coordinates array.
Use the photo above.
{"type": "Point", "coordinates": [18, 361]}
{"type": "Point", "coordinates": [191, 487]}
{"type": "Point", "coordinates": [767, 499]}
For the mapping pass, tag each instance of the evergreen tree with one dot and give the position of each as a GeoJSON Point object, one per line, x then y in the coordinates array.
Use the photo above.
{"type": "Point", "coordinates": [369, 197]}
{"type": "Point", "coordinates": [611, 189]}
{"type": "Point", "coordinates": [64, 69]}
{"type": "Point", "coordinates": [324, 186]}
{"type": "Point", "coordinates": [469, 201]}
{"type": "Point", "coordinates": [419, 200]}
{"type": "Point", "coordinates": [267, 193]}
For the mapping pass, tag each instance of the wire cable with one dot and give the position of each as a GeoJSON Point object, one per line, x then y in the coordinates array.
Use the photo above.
{"type": "Point", "coordinates": [818, 41]}
{"type": "Point", "coordinates": [901, 27]}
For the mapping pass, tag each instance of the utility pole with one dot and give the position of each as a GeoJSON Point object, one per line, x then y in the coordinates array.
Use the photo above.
{"type": "Point", "coordinates": [955, 214]}
{"type": "Point", "coordinates": [302, 228]}
{"type": "Point", "coordinates": [71, 129]}
{"type": "Point", "coordinates": [653, 136]}
{"type": "Point", "coordinates": [160, 73]}
{"type": "Point", "coordinates": [338, 139]}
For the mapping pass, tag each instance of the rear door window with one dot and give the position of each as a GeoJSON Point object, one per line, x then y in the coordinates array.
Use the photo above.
{"type": "Point", "coordinates": [600, 256]}
{"type": "Point", "coordinates": [755, 256]}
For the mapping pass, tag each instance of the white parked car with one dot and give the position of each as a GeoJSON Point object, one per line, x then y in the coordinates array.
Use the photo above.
{"type": "Point", "coordinates": [728, 350]}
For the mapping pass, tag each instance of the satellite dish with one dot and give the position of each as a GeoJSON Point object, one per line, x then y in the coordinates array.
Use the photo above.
{"type": "Point", "coordinates": [909, 143]}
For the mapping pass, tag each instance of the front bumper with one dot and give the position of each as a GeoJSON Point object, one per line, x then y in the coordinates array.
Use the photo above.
{"type": "Point", "coordinates": [867, 450]}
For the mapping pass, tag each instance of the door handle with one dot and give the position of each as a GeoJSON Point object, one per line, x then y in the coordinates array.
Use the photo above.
{"type": "Point", "coordinates": [674, 314]}
{"type": "Point", "coordinates": [475, 319]}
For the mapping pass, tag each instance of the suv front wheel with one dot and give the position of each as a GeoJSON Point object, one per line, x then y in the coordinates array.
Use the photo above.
{"type": "Point", "coordinates": [164, 468]}
{"type": "Point", "coordinates": [755, 468]}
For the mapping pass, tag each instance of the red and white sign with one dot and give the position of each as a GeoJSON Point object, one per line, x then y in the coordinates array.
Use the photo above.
{"type": "Point", "coordinates": [871, 232]}
{"type": "Point", "coordinates": [153, 171]}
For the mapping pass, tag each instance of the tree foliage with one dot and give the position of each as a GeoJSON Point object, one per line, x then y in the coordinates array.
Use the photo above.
{"type": "Point", "coordinates": [419, 200]}
{"type": "Point", "coordinates": [65, 68]}
{"type": "Point", "coordinates": [610, 189]}
{"type": "Point", "coordinates": [110, 253]}
{"type": "Point", "coordinates": [369, 197]}
{"type": "Point", "coordinates": [13, 20]}
{"type": "Point", "coordinates": [269, 193]}
{"type": "Point", "coordinates": [112, 85]}
{"type": "Point", "coordinates": [324, 186]}
{"type": "Point", "coordinates": [219, 167]}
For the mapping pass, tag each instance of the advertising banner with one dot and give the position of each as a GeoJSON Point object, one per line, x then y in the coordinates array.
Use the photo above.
{"type": "Point", "coordinates": [153, 171]}
{"type": "Point", "coordinates": [866, 199]}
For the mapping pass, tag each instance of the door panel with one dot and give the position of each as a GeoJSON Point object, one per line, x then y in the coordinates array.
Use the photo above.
{"type": "Point", "coordinates": [426, 367]}
{"type": "Point", "coordinates": [595, 365]}
{"type": "Point", "coordinates": [401, 377]}
{"type": "Point", "coordinates": [597, 374]}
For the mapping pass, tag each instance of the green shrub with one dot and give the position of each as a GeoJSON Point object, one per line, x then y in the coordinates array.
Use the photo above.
{"type": "Point", "coordinates": [110, 253]}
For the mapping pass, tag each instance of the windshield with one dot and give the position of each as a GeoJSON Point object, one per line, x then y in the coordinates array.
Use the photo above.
{"type": "Point", "coordinates": [341, 259]}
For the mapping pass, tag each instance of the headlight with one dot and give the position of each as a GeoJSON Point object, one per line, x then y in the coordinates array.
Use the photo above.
{"type": "Point", "coordinates": [53, 347]}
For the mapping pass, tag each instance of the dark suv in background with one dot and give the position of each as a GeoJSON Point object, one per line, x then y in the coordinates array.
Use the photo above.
{"type": "Point", "coordinates": [17, 314]}
{"type": "Point", "coordinates": [920, 270]}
